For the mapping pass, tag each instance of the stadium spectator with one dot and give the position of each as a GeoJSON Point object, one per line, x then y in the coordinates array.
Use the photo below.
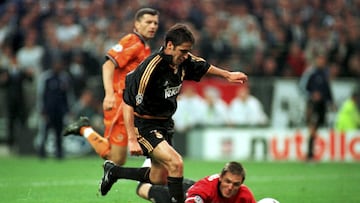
{"type": "Point", "coordinates": [340, 53]}
{"type": "Point", "coordinates": [30, 56]}
{"type": "Point", "coordinates": [226, 187]}
{"type": "Point", "coordinates": [348, 116]}
{"type": "Point", "coordinates": [189, 115]}
{"type": "Point", "coordinates": [246, 110]}
{"type": "Point", "coordinates": [316, 43]}
{"type": "Point", "coordinates": [13, 79]}
{"type": "Point", "coordinates": [316, 87]}
{"type": "Point", "coordinates": [295, 60]}
{"type": "Point", "coordinates": [216, 108]}
{"type": "Point", "coordinates": [317, 26]}
{"type": "Point", "coordinates": [190, 111]}
{"type": "Point", "coordinates": [77, 72]}
{"type": "Point", "coordinates": [244, 33]}
{"type": "Point", "coordinates": [269, 67]}
{"type": "Point", "coordinates": [354, 64]}
{"type": "Point", "coordinates": [68, 30]}
{"type": "Point", "coordinates": [212, 42]}
{"type": "Point", "coordinates": [150, 101]}
{"type": "Point", "coordinates": [121, 59]}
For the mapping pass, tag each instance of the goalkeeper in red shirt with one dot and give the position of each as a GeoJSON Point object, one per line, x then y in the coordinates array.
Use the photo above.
{"type": "Point", "coordinates": [226, 187]}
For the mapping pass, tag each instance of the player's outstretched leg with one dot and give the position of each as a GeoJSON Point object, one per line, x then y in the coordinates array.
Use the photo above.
{"type": "Point", "coordinates": [74, 128]}
{"type": "Point", "coordinates": [107, 180]}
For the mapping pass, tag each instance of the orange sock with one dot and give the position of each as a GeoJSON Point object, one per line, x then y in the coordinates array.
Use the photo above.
{"type": "Point", "coordinates": [99, 143]}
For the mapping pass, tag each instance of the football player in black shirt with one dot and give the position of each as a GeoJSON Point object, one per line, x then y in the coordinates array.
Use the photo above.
{"type": "Point", "coordinates": [150, 97]}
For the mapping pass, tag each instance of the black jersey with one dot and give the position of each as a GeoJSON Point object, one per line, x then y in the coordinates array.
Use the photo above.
{"type": "Point", "coordinates": [152, 88]}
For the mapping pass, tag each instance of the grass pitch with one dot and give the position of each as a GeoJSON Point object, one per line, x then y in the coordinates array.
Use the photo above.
{"type": "Point", "coordinates": [75, 180]}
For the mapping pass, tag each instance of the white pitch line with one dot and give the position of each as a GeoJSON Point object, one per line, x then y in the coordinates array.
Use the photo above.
{"type": "Point", "coordinates": [57, 183]}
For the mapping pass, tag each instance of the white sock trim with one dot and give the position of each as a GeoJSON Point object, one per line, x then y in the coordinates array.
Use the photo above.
{"type": "Point", "coordinates": [147, 163]}
{"type": "Point", "coordinates": [87, 132]}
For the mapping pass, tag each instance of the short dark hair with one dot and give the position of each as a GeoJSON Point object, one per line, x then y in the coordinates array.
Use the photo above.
{"type": "Point", "coordinates": [235, 168]}
{"type": "Point", "coordinates": [141, 12]}
{"type": "Point", "coordinates": [178, 34]}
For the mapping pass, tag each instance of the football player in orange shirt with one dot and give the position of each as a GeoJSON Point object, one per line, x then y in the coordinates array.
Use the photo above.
{"type": "Point", "coordinates": [122, 58]}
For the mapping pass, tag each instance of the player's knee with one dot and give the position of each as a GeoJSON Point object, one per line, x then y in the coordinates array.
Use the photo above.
{"type": "Point", "coordinates": [176, 166]}
{"type": "Point", "coordinates": [142, 190]}
{"type": "Point", "coordinates": [118, 160]}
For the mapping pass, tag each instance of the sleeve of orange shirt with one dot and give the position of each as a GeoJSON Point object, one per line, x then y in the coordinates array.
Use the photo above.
{"type": "Point", "coordinates": [124, 52]}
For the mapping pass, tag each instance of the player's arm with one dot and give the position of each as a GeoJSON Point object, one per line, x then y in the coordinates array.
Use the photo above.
{"type": "Point", "coordinates": [134, 147]}
{"type": "Point", "coordinates": [199, 192]}
{"type": "Point", "coordinates": [107, 76]}
{"type": "Point", "coordinates": [237, 77]}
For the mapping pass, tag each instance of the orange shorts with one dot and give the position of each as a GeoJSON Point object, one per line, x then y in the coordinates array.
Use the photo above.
{"type": "Point", "coordinates": [115, 130]}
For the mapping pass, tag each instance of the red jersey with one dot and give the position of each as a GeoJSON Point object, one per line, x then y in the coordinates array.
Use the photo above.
{"type": "Point", "coordinates": [206, 191]}
{"type": "Point", "coordinates": [127, 54]}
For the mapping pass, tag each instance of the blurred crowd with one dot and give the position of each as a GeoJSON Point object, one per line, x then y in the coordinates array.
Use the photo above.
{"type": "Point", "coordinates": [211, 110]}
{"type": "Point", "coordinates": [280, 38]}
{"type": "Point", "coordinates": [265, 38]}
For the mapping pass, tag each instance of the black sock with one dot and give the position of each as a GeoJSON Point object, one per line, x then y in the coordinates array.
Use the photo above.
{"type": "Point", "coordinates": [176, 189]}
{"type": "Point", "coordinates": [139, 174]}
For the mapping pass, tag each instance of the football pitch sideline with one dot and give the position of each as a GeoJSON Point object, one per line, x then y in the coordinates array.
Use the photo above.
{"type": "Point", "coordinates": [76, 180]}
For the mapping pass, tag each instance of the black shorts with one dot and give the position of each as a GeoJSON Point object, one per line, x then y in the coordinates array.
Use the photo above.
{"type": "Point", "coordinates": [152, 132]}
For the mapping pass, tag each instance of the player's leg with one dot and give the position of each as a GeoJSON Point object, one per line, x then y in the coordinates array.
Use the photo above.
{"type": "Point", "coordinates": [153, 193]}
{"type": "Point", "coordinates": [83, 128]}
{"type": "Point", "coordinates": [167, 156]}
{"type": "Point", "coordinates": [319, 112]}
{"type": "Point", "coordinates": [118, 154]}
{"type": "Point", "coordinates": [158, 171]}
{"type": "Point", "coordinates": [118, 140]}
{"type": "Point", "coordinates": [311, 142]}
{"type": "Point", "coordinates": [159, 193]}
{"type": "Point", "coordinates": [310, 119]}
{"type": "Point", "coordinates": [113, 172]}
{"type": "Point", "coordinates": [100, 143]}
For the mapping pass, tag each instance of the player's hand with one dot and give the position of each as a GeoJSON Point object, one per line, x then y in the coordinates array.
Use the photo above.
{"type": "Point", "coordinates": [109, 102]}
{"type": "Point", "coordinates": [134, 148]}
{"type": "Point", "coordinates": [237, 77]}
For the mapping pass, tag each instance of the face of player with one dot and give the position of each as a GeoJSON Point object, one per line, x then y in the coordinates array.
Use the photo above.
{"type": "Point", "coordinates": [179, 53]}
{"type": "Point", "coordinates": [230, 184]}
{"type": "Point", "coordinates": [147, 25]}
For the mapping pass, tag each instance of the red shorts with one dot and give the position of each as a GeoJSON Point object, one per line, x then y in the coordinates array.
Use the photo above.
{"type": "Point", "coordinates": [115, 130]}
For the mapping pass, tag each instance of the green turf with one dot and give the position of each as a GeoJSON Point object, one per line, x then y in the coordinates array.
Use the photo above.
{"type": "Point", "coordinates": [28, 179]}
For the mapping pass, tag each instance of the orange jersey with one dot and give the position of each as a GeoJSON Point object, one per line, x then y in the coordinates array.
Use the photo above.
{"type": "Point", "coordinates": [127, 54]}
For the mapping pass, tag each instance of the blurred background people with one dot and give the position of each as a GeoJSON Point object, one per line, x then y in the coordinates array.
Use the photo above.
{"type": "Point", "coordinates": [13, 79]}
{"type": "Point", "coordinates": [348, 116]}
{"type": "Point", "coordinates": [190, 111]}
{"type": "Point", "coordinates": [30, 57]}
{"type": "Point", "coordinates": [189, 114]}
{"type": "Point", "coordinates": [246, 110]}
{"type": "Point", "coordinates": [54, 96]}
{"type": "Point", "coordinates": [215, 113]}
